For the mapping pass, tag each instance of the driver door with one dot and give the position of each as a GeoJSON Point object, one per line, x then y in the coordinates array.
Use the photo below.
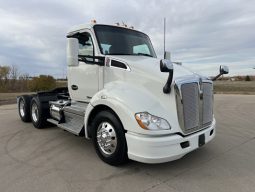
{"type": "Point", "coordinates": [83, 82]}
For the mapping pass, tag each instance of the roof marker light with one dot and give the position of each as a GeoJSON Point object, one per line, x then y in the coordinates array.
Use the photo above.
{"type": "Point", "coordinates": [93, 21]}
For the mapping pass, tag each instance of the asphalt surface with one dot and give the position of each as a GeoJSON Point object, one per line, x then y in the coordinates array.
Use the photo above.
{"type": "Point", "coordinates": [54, 160]}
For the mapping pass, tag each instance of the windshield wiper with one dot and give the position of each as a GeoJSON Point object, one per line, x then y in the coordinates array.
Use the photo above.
{"type": "Point", "coordinates": [119, 54]}
{"type": "Point", "coordinates": [144, 54]}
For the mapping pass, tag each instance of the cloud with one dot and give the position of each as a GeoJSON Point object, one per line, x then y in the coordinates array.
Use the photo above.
{"type": "Point", "coordinates": [202, 34]}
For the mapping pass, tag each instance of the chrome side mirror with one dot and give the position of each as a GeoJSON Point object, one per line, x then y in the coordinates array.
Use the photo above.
{"type": "Point", "coordinates": [167, 66]}
{"type": "Point", "coordinates": [224, 69]}
{"type": "Point", "coordinates": [72, 51]}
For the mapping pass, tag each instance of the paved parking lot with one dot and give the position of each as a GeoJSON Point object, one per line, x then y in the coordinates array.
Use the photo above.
{"type": "Point", "coordinates": [54, 160]}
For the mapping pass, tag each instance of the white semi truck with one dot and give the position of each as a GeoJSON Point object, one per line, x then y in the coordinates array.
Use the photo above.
{"type": "Point", "coordinates": [130, 103]}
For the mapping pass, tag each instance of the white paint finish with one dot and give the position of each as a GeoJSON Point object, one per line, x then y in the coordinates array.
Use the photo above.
{"type": "Point", "coordinates": [100, 78]}
{"type": "Point", "coordinates": [139, 90]}
{"type": "Point", "coordinates": [120, 99]}
{"type": "Point", "coordinates": [163, 149]}
{"type": "Point", "coordinates": [80, 27]}
{"type": "Point", "coordinates": [85, 76]}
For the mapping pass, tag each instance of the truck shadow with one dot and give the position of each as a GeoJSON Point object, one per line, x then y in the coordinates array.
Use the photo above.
{"type": "Point", "coordinates": [190, 161]}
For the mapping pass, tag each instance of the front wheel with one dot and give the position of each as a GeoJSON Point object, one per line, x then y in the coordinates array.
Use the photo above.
{"type": "Point", "coordinates": [109, 138]}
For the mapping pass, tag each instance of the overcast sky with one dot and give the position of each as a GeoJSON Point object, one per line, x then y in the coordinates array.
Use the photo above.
{"type": "Point", "coordinates": [202, 34]}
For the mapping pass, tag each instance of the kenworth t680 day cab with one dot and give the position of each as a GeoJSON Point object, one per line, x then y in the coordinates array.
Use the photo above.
{"type": "Point", "coordinates": [131, 104]}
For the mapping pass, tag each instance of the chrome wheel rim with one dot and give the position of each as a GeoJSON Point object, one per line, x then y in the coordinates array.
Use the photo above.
{"type": "Point", "coordinates": [21, 107]}
{"type": "Point", "coordinates": [106, 138]}
{"type": "Point", "coordinates": [34, 112]}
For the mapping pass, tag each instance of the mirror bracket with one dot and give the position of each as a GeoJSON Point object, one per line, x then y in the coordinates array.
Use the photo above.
{"type": "Point", "coordinates": [167, 87]}
{"type": "Point", "coordinates": [223, 70]}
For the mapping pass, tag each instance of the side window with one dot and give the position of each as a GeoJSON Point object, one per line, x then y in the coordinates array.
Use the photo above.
{"type": "Point", "coordinates": [105, 48]}
{"type": "Point", "coordinates": [141, 49]}
{"type": "Point", "coordinates": [86, 47]}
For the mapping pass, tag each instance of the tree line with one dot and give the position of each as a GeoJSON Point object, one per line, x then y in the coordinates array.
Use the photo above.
{"type": "Point", "coordinates": [11, 80]}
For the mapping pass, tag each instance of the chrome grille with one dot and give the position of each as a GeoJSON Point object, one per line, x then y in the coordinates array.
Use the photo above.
{"type": "Point", "coordinates": [190, 100]}
{"type": "Point", "coordinates": [194, 102]}
{"type": "Point", "coordinates": [207, 103]}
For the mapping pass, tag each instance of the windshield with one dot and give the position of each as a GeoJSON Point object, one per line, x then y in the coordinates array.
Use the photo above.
{"type": "Point", "coordinates": [123, 41]}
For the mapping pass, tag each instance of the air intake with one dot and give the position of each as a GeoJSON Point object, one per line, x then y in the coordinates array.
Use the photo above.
{"type": "Point", "coordinates": [118, 64]}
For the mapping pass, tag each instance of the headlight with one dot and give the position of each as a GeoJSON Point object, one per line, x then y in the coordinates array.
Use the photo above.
{"type": "Point", "coordinates": [151, 122]}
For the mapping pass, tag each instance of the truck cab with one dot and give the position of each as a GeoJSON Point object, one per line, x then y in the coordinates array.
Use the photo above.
{"type": "Point", "coordinates": [131, 104]}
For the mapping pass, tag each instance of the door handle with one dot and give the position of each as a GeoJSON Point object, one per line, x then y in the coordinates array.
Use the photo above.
{"type": "Point", "coordinates": [74, 87]}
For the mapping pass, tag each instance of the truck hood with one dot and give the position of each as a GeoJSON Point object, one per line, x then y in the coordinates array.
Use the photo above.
{"type": "Point", "coordinates": [149, 65]}
{"type": "Point", "coordinates": [141, 89]}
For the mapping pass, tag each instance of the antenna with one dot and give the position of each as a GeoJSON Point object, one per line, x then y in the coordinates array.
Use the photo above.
{"type": "Point", "coordinates": [164, 37]}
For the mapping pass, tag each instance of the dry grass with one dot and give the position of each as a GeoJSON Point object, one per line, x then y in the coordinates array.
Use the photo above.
{"type": "Point", "coordinates": [235, 87]}
{"type": "Point", "coordinates": [9, 98]}
{"type": "Point", "coordinates": [61, 83]}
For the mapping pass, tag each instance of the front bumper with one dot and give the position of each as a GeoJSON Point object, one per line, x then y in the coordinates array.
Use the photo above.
{"type": "Point", "coordinates": [160, 149]}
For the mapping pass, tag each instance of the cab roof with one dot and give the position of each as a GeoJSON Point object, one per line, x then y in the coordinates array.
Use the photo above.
{"type": "Point", "coordinates": [81, 27]}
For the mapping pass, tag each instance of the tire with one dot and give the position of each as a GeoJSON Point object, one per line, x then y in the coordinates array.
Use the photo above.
{"type": "Point", "coordinates": [37, 116]}
{"type": "Point", "coordinates": [106, 127]}
{"type": "Point", "coordinates": [24, 108]}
